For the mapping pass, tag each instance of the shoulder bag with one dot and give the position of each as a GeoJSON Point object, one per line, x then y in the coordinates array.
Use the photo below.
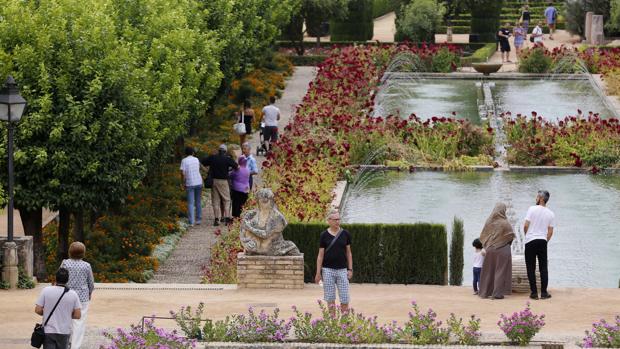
{"type": "Point", "coordinates": [38, 334]}
{"type": "Point", "coordinates": [209, 179]}
{"type": "Point", "coordinates": [334, 240]}
{"type": "Point", "coordinates": [239, 127]}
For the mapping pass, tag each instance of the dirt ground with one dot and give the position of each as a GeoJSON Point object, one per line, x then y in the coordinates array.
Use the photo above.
{"type": "Point", "coordinates": [569, 312]}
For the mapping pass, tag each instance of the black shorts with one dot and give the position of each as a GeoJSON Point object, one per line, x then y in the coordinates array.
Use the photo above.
{"type": "Point", "coordinates": [504, 46]}
{"type": "Point", "coordinates": [270, 134]}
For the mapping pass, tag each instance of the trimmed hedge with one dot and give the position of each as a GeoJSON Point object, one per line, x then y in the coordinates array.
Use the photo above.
{"type": "Point", "coordinates": [306, 60]}
{"type": "Point", "coordinates": [480, 55]}
{"type": "Point", "coordinates": [383, 253]}
{"type": "Point", "coordinates": [459, 29]}
{"type": "Point", "coordinates": [457, 244]}
{"type": "Point", "coordinates": [358, 25]}
{"type": "Point", "coordinates": [383, 7]}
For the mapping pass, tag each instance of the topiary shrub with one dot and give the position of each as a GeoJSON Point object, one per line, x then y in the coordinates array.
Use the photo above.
{"type": "Point", "coordinates": [485, 16]}
{"type": "Point", "coordinates": [534, 61]}
{"type": "Point", "coordinates": [419, 21]}
{"type": "Point", "coordinates": [457, 245]}
{"type": "Point", "coordinates": [358, 25]}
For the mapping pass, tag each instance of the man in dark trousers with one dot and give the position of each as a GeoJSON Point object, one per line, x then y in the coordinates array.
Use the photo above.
{"type": "Point", "coordinates": [538, 228]}
{"type": "Point", "coordinates": [220, 165]}
{"type": "Point", "coordinates": [334, 264]}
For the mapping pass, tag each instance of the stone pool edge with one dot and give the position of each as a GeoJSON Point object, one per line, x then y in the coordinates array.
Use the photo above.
{"type": "Point", "coordinates": [516, 169]}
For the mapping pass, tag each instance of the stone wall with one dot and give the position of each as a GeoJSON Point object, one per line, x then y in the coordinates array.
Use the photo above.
{"type": "Point", "coordinates": [25, 253]}
{"type": "Point", "coordinates": [270, 271]}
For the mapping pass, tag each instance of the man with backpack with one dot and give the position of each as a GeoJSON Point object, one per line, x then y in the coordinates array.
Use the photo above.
{"type": "Point", "coordinates": [551, 16]}
{"type": "Point", "coordinates": [59, 306]}
{"type": "Point", "coordinates": [334, 264]}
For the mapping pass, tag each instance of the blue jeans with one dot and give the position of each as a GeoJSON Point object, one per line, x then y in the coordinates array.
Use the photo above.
{"type": "Point", "coordinates": [194, 204]}
{"type": "Point", "coordinates": [476, 278]}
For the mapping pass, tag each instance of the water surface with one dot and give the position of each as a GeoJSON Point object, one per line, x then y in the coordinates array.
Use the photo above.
{"type": "Point", "coordinates": [584, 251]}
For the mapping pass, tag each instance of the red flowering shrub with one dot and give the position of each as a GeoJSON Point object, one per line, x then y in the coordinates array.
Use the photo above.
{"type": "Point", "coordinates": [572, 141]}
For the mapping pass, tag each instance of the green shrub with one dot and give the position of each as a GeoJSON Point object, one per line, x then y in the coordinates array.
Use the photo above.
{"type": "Point", "coordinates": [614, 18]}
{"type": "Point", "coordinates": [358, 25]}
{"type": "Point", "coordinates": [480, 55]}
{"type": "Point", "coordinates": [24, 281]}
{"type": "Point", "coordinates": [456, 253]}
{"type": "Point", "coordinates": [306, 60]}
{"type": "Point", "coordinates": [383, 7]}
{"type": "Point", "coordinates": [420, 20]}
{"type": "Point", "coordinates": [485, 16]}
{"type": "Point", "coordinates": [534, 61]}
{"type": "Point", "coordinates": [444, 61]}
{"type": "Point", "coordinates": [383, 253]}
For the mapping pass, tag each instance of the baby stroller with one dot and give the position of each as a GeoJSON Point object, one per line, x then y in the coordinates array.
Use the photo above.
{"type": "Point", "coordinates": [261, 149]}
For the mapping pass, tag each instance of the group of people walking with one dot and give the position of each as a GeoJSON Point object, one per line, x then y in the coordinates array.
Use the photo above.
{"type": "Point", "coordinates": [230, 179]}
{"type": "Point", "coordinates": [64, 305]}
{"type": "Point", "coordinates": [520, 31]}
{"type": "Point", "coordinates": [492, 262]}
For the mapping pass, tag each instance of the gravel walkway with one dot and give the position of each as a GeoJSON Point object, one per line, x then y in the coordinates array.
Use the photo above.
{"type": "Point", "coordinates": [184, 266]}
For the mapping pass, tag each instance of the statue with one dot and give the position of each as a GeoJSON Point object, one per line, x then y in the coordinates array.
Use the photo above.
{"type": "Point", "coordinates": [261, 229]}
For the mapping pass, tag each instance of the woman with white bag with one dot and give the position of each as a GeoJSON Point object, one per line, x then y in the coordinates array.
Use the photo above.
{"type": "Point", "coordinates": [246, 117]}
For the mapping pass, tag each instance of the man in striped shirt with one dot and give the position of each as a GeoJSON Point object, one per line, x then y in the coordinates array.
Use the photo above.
{"type": "Point", "coordinates": [190, 166]}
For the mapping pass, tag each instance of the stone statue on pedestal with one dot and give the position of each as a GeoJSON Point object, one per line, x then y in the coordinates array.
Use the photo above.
{"type": "Point", "coordinates": [261, 229]}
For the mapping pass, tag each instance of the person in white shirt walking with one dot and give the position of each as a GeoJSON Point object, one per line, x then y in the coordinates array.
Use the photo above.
{"type": "Point", "coordinates": [66, 306]}
{"type": "Point", "coordinates": [538, 228]}
{"type": "Point", "coordinates": [190, 166]}
{"type": "Point", "coordinates": [271, 116]}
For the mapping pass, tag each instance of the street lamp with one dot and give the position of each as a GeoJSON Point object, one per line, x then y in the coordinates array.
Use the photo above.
{"type": "Point", "coordinates": [12, 107]}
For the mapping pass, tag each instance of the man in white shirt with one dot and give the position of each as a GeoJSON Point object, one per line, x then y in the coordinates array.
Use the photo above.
{"type": "Point", "coordinates": [190, 166]}
{"type": "Point", "coordinates": [537, 34]}
{"type": "Point", "coordinates": [58, 325]}
{"type": "Point", "coordinates": [271, 116]}
{"type": "Point", "coordinates": [538, 228]}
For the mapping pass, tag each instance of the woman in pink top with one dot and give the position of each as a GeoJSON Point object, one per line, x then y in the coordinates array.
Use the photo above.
{"type": "Point", "coordinates": [240, 186]}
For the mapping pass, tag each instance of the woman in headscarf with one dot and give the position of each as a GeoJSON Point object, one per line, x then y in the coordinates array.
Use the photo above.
{"type": "Point", "coordinates": [496, 238]}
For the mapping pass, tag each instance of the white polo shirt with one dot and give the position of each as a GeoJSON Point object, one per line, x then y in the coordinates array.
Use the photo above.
{"type": "Point", "coordinates": [270, 115]}
{"type": "Point", "coordinates": [540, 219]}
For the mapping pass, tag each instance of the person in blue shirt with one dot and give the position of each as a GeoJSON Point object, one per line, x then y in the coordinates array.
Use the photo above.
{"type": "Point", "coordinates": [551, 16]}
{"type": "Point", "coordinates": [252, 166]}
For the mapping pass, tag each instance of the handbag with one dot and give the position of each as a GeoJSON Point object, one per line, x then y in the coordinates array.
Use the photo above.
{"type": "Point", "coordinates": [239, 127]}
{"type": "Point", "coordinates": [38, 334]}
{"type": "Point", "coordinates": [531, 39]}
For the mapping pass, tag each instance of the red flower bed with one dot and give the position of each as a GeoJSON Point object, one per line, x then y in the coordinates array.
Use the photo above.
{"type": "Point", "coordinates": [572, 141]}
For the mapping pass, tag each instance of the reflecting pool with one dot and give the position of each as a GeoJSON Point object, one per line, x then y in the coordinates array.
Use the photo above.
{"type": "Point", "coordinates": [584, 251]}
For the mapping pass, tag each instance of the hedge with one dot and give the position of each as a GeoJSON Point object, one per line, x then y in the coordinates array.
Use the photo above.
{"type": "Point", "coordinates": [306, 60]}
{"type": "Point", "coordinates": [459, 29]}
{"type": "Point", "coordinates": [383, 253]}
{"type": "Point", "coordinates": [457, 244]}
{"type": "Point", "coordinates": [358, 25]}
{"type": "Point", "coordinates": [480, 55]}
{"type": "Point", "coordinates": [383, 7]}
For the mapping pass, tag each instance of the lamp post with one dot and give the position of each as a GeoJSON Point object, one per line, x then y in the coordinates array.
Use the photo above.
{"type": "Point", "coordinates": [12, 106]}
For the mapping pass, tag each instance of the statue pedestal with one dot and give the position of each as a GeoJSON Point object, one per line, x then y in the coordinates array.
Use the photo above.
{"type": "Point", "coordinates": [520, 283]}
{"type": "Point", "coordinates": [270, 271]}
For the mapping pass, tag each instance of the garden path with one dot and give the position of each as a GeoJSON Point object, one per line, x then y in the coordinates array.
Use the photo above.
{"type": "Point", "coordinates": [193, 251]}
{"type": "Point", "coordinates": [561, 37]}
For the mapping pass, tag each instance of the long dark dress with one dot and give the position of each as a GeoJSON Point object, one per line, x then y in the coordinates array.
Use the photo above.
{"type": "Point", "coordinates": [496, 276]}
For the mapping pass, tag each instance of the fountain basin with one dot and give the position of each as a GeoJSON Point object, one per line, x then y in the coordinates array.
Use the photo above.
{"type": "Point", "coordinates": [487, 68]}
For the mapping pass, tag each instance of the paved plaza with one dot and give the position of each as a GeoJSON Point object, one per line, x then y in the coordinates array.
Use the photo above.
{"type": "Point", "coordinates": [569, 312]}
